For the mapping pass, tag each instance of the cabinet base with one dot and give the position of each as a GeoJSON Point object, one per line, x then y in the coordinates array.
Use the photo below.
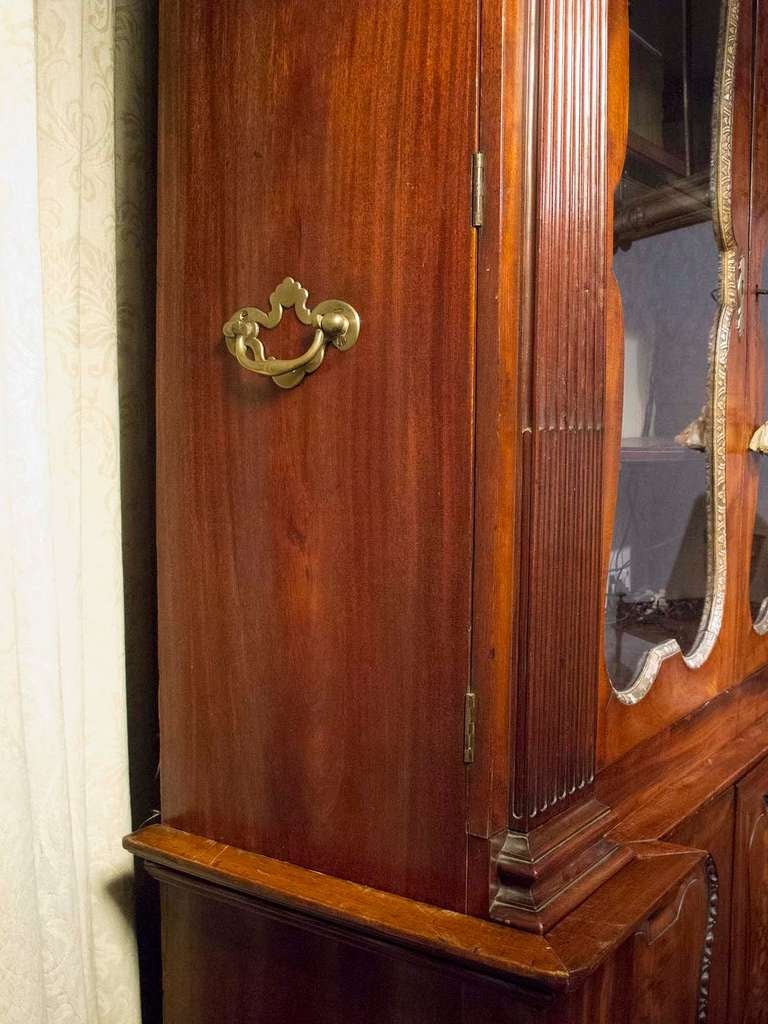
{"type": "Point", "coordinates": [540, 876]}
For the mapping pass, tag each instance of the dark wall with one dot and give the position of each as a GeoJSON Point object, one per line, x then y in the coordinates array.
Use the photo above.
{"type": "Point", "coordinates": [135, 146]}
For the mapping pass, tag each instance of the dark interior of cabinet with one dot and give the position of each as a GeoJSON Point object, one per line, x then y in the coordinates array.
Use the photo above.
{"type": "Point", "coordinates": [665, 184]}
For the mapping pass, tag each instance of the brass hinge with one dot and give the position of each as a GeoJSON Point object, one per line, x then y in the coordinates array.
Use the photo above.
{"type": "Point", "coordinates": [478, 189]}
{"type": "Point", "coordinates": [470, 711]}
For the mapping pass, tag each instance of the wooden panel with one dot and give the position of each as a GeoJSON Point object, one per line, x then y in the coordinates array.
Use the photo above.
{"type": "Point", "coordinates": [233, 959]}
{"type": "Point", "coordinates": [655, 976]}
{"type": "Point", "coordinates": [749, 957]}
{"type": "Point", "coordinates": [593, 932]}
{"type": "Point", "coordinates": [459, 938]}
{"type": "Point", "coordinates": [315, 545]}
{"type": "Point", "coordinates": [657, 785]}
{"type": "Point", "coordinates": [558, 961]}
{"type": "Point", "coordinates": [712, 830]}
{"type": "Point", "coordinates": [607, 994]}
{"type": "Point", "coordinates": [561, 417]}
{"type": "Point", "coordinates": [503, 252]}
{"type": "Point", "coordinates": [226, 964]}
{"type": "Point", "coordinates": [667, 958]}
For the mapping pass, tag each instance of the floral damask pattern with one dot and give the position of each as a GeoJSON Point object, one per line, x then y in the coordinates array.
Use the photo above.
{"type": "Point", "coordinates": [67, 952]}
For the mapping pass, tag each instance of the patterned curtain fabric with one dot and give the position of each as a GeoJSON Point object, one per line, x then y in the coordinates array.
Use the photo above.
{"type": "Point", "coordinates": [67, 951]}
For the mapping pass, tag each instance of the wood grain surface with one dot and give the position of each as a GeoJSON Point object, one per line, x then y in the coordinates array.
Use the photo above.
{"type": "Point", "coordinates": [228, 961]}
{"type": "Point", "coordinates": [712, 829]}
{"type": "Point", "coordinates": [229, 964]}
{"type": "Point", "coordinates": [749, 926]}
{"type": "Point", "coordinates": [563, 959]}
{"type": "Point", "coordinates": [561, 418]}
{"type": "Point", "coordinates": [315, 545]}
{"type": "Point", "coordinates": [468, 941]}
{"type": "Point", "coordinates": [504, 245]}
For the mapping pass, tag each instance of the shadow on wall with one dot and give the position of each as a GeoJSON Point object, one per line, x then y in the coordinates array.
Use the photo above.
{"type": "Point", "coordinates": [135, 146]}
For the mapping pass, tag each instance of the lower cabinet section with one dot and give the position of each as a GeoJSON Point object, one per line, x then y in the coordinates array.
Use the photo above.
{"type": "Point", "coordinates": [711, 829]}
{"type": "Point", "coordinates": [733, 829]}
{"type": "Point", "coordinates": [670, 956]}
{"type": "Point", "coordinates": [230, 960]}
{"type": "Point", "coordinates": [659, 976]}
{"type": "Point", "coordinates": [228, 964]}
{"type": "Point", "coordinates": [749, 956]}
{"type": "Point", "coordinates": [678, 936]}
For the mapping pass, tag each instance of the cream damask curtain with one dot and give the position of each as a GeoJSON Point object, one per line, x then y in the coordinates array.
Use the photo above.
{"type": "Point", "coordinates": [67, 951]}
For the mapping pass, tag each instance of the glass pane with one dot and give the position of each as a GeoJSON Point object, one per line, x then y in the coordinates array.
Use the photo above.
{"type": "Point", "coordinates": [758, 576]}
{"type": "Point", "coordinates": [667, 264]}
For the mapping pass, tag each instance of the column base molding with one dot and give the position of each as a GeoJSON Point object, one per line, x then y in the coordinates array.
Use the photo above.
{"type": "Point", "coordinates": [538, 877]}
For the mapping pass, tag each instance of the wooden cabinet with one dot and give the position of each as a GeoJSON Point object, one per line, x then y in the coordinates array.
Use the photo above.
{"type": "Point", "coordinates": [749, 958]}
{"type": "Point", "coordinates": [314, 549]}
{"type": "Point", "coordinates": [463, 664]}
{"type": "Point", "coordinates": [712, 829]}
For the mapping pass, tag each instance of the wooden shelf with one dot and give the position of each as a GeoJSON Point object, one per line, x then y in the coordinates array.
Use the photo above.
{"type": "Point", "coordinates": [654, 211]}
{"type": "Point", "coordinates": [654, 154]}
{"type": "Point", "coordinates": [653, 449]}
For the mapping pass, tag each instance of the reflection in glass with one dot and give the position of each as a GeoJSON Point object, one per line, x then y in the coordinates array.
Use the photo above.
{"type": "Point", "coordinates": [667, 265]}
{"type": "Point", "coordinates": [758, 574]}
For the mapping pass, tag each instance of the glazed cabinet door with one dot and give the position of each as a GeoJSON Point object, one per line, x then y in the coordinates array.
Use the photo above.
{"type": "Point", "coordinates": [673, 552]}
{"type": "Point", "coordinates": [315, 516]}
{"type": "Point", "coordinates": [749, 932]}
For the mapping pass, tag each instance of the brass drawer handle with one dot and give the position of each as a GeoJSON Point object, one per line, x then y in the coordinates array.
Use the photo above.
{"type": "Point", "coordinates": [334, 321]}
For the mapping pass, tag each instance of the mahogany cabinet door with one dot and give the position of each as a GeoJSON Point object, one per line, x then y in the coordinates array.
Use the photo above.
{"type": "Point", "coordinates": [668, 950]}
{"type": "Point", "coordinates": [657, 976]}
{"type": "Point", "coordinates": [712, 829]}
{"type": "Point", "coordinates": [749, 931]}
{"type": "Point", "coordinates": [315, 543]}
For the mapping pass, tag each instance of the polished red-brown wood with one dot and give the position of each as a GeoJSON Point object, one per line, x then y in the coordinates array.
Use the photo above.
{"type": "Point", "coordinates": [711, 829]}
{"type": "Point", "coordinates": [452, 937]}
{"type": "Point", "coordinates": [314, 545]}
{"type": "Point", "coordinates": [655, 976]}
{"type": "Point", "coordinates": [505, 124]}
{"type": "Point", "coordinates": [428, 513]}
{"type": "Point", "coordinates": [209, 951]}
{"type": "Point", "coordinates": [749, 956]}
{"type": "Point", "coordinates": [559, 337]}
{"type": "Point", "coordinates": [228, 963]}
{"type": "Point", "coordinates": [657, 786]}
{"type": "Point", "coordinates": [561, 416]}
